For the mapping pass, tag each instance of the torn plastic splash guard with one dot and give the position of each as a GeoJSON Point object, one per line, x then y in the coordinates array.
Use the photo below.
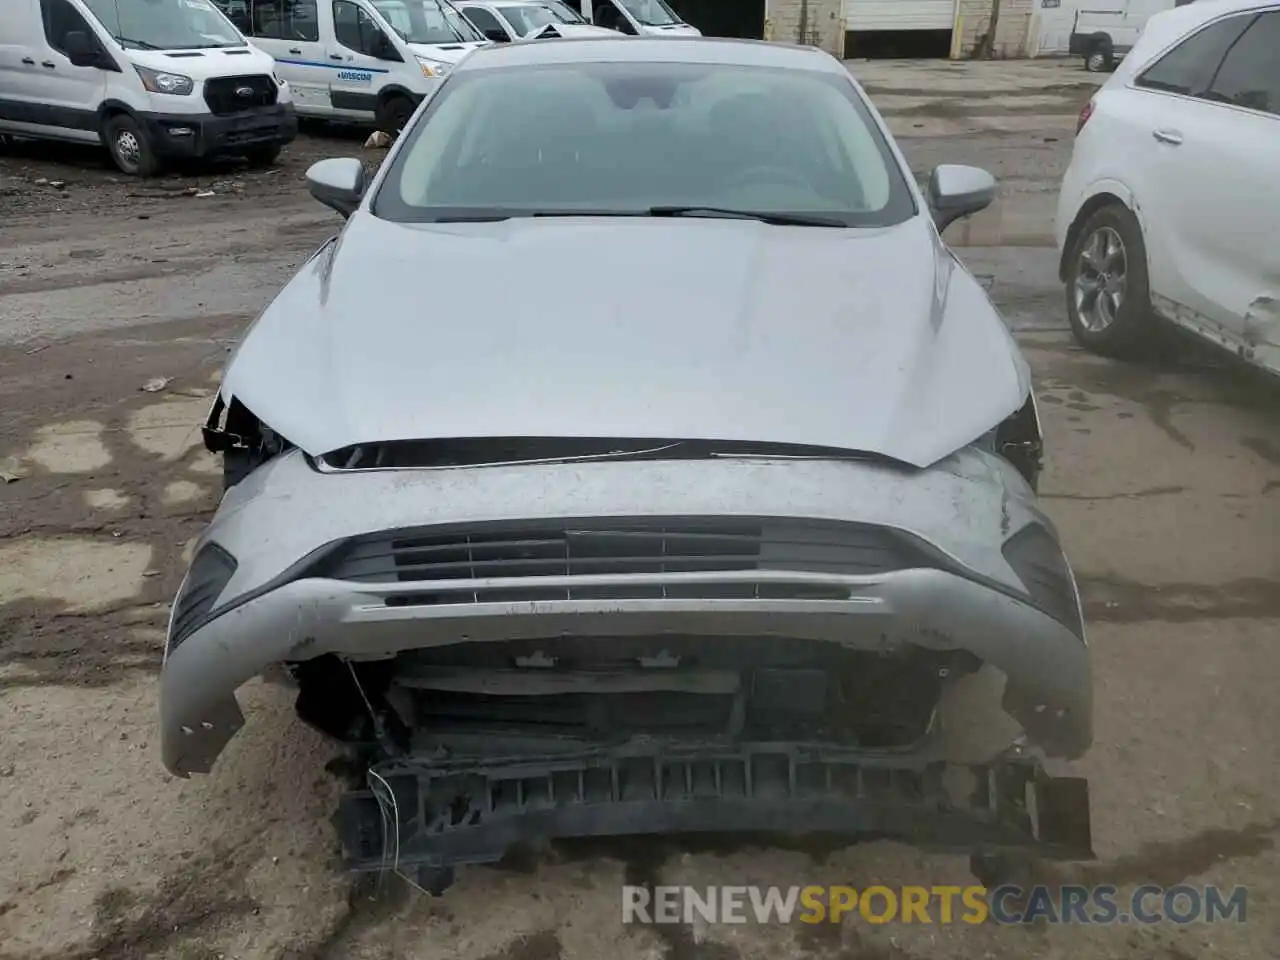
{"type": "Point", "coordinates": [466, 812]}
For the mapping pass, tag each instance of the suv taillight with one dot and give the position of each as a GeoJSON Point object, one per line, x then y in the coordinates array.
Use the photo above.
{"type": "Point", "coordinates": [1085, 113]}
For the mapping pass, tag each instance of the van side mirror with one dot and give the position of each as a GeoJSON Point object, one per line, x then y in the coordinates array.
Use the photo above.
{"type": "Point", "coordinates": [497, 35]}
{"type": "Point", "coordinates": [80, 49]}
{"type": "Point", "coordinates": [338, 183]}
{"type": "Point", "coordinates": [956, 191]}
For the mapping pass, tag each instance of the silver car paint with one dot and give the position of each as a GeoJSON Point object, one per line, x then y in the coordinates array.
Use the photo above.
{"type": "Point", "coordinates": [966, 506]}
{"type": "Point", "coordinates": [697, 329]}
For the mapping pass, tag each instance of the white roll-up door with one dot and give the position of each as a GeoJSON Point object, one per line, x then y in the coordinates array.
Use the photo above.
{"type": "Point", "coordinates": [899, 14]}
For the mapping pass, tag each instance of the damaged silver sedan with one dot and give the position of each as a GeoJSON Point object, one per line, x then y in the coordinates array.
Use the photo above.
{"type": "Point", "coordinates": [737, 531]}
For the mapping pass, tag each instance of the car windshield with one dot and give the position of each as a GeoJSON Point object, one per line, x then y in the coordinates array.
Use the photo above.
{"type": "Point", "coordinates": [621, 138]}
{"type": "Point", "coordinates": [165, 24]}
{"type": "Point", "coordinates": [651, 13]}
{"type": "Point", "coordinates": [427, 21]}
{"type": "Point", "coordinates": [567, 13]}
{"type": "Point", "coordinates": [529, 17]}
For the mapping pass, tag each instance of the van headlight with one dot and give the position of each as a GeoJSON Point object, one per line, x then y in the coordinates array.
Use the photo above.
{"type": "Point", "coordinates": [161, 81]}
{"type": "Point", "coordinates": [433, 69]}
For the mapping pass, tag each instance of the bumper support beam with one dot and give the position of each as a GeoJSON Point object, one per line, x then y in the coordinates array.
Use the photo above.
{"type": "Point", "coordinates": [456, 813]}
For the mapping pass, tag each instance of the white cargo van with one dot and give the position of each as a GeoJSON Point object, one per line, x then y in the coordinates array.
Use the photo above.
{"type": "Point", "coordinates": [149, 79]}
{"type": "Point", "coordinates": [358, 60]}
{"type": "Point", "coordinates": [1105, 30]}
{"type": "Point", "coordinates": [635, 17]}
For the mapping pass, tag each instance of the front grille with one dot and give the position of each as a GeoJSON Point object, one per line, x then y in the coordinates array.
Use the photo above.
{"type": "Point", "coordinates": [635, 547]}
{"type": "Point", "coordinates": [227, 95]}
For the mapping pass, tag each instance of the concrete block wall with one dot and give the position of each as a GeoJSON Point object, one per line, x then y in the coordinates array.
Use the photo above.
{"type": "Point", "coordinates": [824, 24]}
{"type": "Point", "coordinates": [1013, 28]}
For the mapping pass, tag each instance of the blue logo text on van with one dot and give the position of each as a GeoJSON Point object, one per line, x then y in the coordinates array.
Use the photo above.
{"type": "Point", "coordinates": [355, 76]}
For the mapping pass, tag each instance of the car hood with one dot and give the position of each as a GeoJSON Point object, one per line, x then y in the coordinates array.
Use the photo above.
{"type": "Point", "coordinates": [671, 30]}
{"type": "Point", "coordinates": [570, 30]}
{"type": "Point", "coordinates": [202, 65]}
{"type": "Point", "coordinates": [446, 52]}
{"type": "Point", "coordinates": [871, 340]}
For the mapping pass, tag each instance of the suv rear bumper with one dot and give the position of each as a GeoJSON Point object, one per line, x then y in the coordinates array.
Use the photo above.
{"type": "Point", "coordinates": [208, 135]}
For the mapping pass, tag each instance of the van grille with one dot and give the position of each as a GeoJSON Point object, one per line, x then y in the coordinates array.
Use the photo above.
{"type": "Point", "coordinates": [227, 95]}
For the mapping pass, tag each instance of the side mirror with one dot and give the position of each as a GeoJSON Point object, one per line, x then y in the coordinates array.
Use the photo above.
{"type": "Point", "coordinates": [957, 191]}
{"type": "Point", "coordinates": [80, 48]}
{"type": "Point", "coordinates": [338, 183]}
{"type": "Point", "coordinates": [497, 35]}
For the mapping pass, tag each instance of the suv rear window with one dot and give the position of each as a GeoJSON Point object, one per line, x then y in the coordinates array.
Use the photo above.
{"type": "Point", "coordinates": [1189, 67]}
{"type": "Point", "coordinates": [1250, 74]}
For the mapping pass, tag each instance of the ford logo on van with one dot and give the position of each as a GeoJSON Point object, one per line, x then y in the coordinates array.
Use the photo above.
{"type": "Point", "coordinates": [244, 92]}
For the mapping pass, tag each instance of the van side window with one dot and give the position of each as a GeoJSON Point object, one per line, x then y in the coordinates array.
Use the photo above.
{"type": "Point", "coordinates": [60, 18]}
{"type": "Point", "coordinates": [237, 11]}
{"type": "Point", "coordinates": [485, 22]}
{"type": "Point", "coordinates": [286, 20]}
{"type": "Point", "coordinates": [609, 16]}
{"type": "Point", "coordinates": [1189, 67]}
{"type": "Point", "coordinates": [1250, 74]}
{"type": "Point", "coordinates": [356, 30]}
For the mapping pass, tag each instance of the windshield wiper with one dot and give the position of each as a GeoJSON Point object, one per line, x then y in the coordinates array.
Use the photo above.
{"type": "Point", "coordinates": [774, 219]}
{"type": "Point", "coordinates": [140, 44]}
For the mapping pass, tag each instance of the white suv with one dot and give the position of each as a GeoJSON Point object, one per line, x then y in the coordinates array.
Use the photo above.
{"type": "Point", "coordinates": [1170, 208]}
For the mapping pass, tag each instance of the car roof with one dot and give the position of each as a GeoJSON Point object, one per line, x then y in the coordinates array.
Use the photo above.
{"type": "Point", "coordinates": [702, 50]}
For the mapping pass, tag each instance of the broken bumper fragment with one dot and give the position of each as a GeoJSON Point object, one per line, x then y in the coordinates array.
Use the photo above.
{"type": "Point", "coordinates": [423, 814]}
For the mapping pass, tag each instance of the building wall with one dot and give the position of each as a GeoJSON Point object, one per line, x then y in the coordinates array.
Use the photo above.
{"type": "Point", "coordinates": [823, 23]}
{"type": "Point", "coordinates": [1015, 28]}
{"type": "Point", "coordinates": [1013, 37]}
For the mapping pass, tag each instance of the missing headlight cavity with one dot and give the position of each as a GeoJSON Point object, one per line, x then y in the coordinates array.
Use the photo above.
{"type": "Point", "coordinates": [244, 441]}
{"type": "Point", "coordinates": [1018, 440]}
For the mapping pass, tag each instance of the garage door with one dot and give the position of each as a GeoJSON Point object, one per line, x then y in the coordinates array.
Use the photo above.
{"type": "Point", "coordinates": [900, 14]}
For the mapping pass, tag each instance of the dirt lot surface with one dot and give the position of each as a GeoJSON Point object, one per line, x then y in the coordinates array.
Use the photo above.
{"type": "Point", "coordinates": [118, 302]}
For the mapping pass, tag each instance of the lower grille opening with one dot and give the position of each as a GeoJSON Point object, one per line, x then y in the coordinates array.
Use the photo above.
{"type": "Point", "coordinates": [490, 698]}
{"type": "Point", "coordinates": [579, 715]}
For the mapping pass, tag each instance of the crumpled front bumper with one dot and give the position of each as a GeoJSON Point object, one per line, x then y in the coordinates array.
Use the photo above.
{"type": "Point", "coordinates": [274, 609]}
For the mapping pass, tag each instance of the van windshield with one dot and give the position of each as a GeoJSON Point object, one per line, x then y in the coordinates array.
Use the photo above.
{"type": "Point", "coordinates": [651, 13]}
{"type": "Point", "coordinates": [567, 13]}
{"type": "Point", "coordinates": [427, 21]}
{"type": "Point", "coordinates": [165, 24]}
{"type": "Point", "coordinates": [528, 17]}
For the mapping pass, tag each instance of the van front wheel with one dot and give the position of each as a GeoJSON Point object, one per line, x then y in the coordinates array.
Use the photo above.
{"type": "Point", "coordinates": [393, 113]}
{"type": "Point", "coordinates": [129, 146]}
